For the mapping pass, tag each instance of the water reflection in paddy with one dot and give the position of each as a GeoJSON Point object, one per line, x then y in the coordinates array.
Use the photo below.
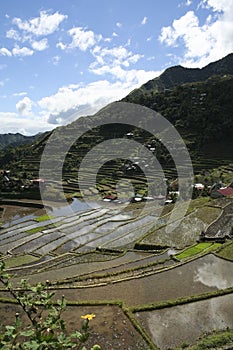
{"type": "Point", "coordinates": [168, 327]}
{"type": "Point", "coordinates": [12, 215]}
{"type": "Point", "coordinates": [15, 214]}
{"type": "Point", "coordinates": [172, 284]}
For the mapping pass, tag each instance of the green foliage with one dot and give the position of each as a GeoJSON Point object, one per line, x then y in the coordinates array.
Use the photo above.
{"type": "Point", "coordinates": [36, 229]}
{"type": "Point", "coordinates": [197, 249]}
{"type": "Point", "coordinates": [227, 252]}
{"type": "Point", "coordinates": [215, 340]}
{"type": "Point", "coordinates": [45, 330]}
{"type": "Point", "coordinates": [201, 112]}
{"type": "Point", "coordinates": [44, 218]}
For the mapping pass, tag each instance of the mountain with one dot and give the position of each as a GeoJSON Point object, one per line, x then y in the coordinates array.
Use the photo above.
{"type": "Point", "coordinates": [178, 75]}
{"type": "Point", "coordinates": [198, 102]}
{"type": "Point", "coordinates": [15, 140]}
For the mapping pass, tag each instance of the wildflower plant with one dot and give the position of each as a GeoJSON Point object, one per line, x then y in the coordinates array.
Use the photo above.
{"type": "Point", "coordinates": [45, 330]}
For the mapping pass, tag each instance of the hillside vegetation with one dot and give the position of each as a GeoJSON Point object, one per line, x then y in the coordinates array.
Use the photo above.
{"type": "Point", "coordinates": [198, 102]}
{"type": "Point", "coordinates": [15, 140]}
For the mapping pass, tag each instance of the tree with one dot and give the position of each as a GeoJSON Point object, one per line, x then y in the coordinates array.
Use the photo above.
{"type": "Point", "coordinates": [46, 330]}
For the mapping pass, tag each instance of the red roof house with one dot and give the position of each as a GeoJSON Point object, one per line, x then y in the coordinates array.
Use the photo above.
{"type": "Point", "coordinates": [227, 191]}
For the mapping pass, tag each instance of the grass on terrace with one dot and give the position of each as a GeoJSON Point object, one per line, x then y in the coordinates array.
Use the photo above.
{"type": "Point", "coordinates": [197, 249]}
{"type": "Point", "coordinates": [45, 217]}
{"type": "Point", "coordinates": [19, 260]}
{"type": "Point", "coordinates": [216, 340]}
{"type": "Point", "coordinates": [227, 252]}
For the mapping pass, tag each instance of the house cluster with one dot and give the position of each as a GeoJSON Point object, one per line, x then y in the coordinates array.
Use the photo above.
{"type": "Point", "coordinates": [219, 191]}
{"type": "Point", "coordinates": [9, 183]}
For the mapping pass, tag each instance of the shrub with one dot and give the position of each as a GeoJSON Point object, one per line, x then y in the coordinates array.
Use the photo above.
{"type": "Point", "coordinates": [46, 330]}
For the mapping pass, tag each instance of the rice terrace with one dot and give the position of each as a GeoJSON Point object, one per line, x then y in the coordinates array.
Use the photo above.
{"type": "Point", "coordinates": [117, 246]}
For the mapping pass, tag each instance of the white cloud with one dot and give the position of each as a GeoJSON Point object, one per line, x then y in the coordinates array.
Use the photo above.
{"type": "Point", "coordinates": [40, 45]}
{"type": "Point", "coordinates": [217, 5]}
{"type": "Point", "coordinates": [13, 34]}
{"type": "Point", "coordinates": [5, 52]}
{"type": "Point", "coordinates": [12, 122]}
{"type": "Point", "coordinates": [144, 21]}
{"type": "Point", "coordinates": [108, 60]}
{"type": "Point", "coordinates": [55, 60]}
{"type": "Point", "coordinates": [183, 27]}
{"type": "Point", "coordinates": [81, 100]}
{"type": "Point", "coordinates": [202, 43]}
{"type": "Point", "coordinates": [73, 101]}
{"type": "Point", "coordinates": [45, 24]}
{"type": "Point", "coordinates": [23, 93]}
{"type": "Point", "coordinates": [187, 3]}
{"type": "Point", "coordinates": [22, 52]}
{"type": "Point", "coordinates": [119, 25]}
{"type": "Point", "coordinates": [81, 39]}
{"type": "Point", "coordinates": [2, 83]}
{"type": "Point", "coordinates": [24, 106]}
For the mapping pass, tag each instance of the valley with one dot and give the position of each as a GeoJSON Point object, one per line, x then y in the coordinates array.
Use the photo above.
{"type": "Point", "coordinates": [128, 214]}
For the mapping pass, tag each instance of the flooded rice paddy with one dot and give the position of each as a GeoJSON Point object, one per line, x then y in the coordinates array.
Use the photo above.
{"type": "Point", "coordinates": [174, 326]}
{"type": "Point", "coordinates": [182, 281]}
{"type": "Point", "coordinates": [75, 244]}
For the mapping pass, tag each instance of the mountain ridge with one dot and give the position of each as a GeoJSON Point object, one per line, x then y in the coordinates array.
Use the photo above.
{"type": "Point", "coordinates": [16, 139]}
{"type": "Point", "coordinates": [201, 112]}
{"type": "Point", "coordinates": [177, 75]}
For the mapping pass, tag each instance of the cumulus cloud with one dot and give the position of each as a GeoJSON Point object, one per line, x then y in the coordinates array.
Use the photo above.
{"type": "Point", "coordinates": [81, 39]}
{"type": "Point", "coordinates": [43, 25]}
{"type": "Point", "coordinates": [23, 93]}
{"type": "Point", "coordinates": [22, 52]}
{"type": "Point", "coordinates": [24, 106]}
{"type": "Point", "coordinates": [202, 43]}
{"type": "Point", "coordinates": [144, 21]}
{"type": "Point", "coordinates": [187, 3]}
{"type": "Point", "coordinates": [30, 30]}
{"type": "Point", "coordinates": [55, 60]}
{"type": "Point", "coordinates": [40, 45]}
{"type": "Point", "coordinates": [73, 101]}
{"type": "Point", "coordinates": [113, 57]}
{"type": "Point", "coordinates": [13, 34]}
{"type": "Point", "coordinates": [16, 51]}
{"type": "Point", "coordinates": [5, 52]}
{"type": "Point", "coordinates": [12, 122]}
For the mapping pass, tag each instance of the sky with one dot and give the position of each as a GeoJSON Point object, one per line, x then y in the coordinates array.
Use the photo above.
{"type": "Point", "coordinates": [62, 59]}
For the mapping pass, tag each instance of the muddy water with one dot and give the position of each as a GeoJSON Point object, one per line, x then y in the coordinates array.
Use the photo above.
{"type": "Point", "coordinates": [168, 327]}
{"type": "Point", "coordinates": [12, 215]}
{"type": "Point", "coordinates": [186, 280]}
{"type": "Point", "coordinates": [74, 206]}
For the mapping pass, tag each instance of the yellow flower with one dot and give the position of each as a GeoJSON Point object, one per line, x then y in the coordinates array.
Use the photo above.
{"type": "Point", "coordinates": [88, 317]}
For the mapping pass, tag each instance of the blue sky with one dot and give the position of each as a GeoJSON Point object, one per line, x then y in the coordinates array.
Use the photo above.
{"type": "Point", "coordinates": [60, 59]}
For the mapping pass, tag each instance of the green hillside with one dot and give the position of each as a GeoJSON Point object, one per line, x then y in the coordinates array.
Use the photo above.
{"type": "Point", "coordinates": [198, 102]}
{"type": "Point", "coordinates": [15, 140]}
{"type": "Point", "coordinates": [178, 75]}
{"type": "Point", "coordinates": [200, 111]}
